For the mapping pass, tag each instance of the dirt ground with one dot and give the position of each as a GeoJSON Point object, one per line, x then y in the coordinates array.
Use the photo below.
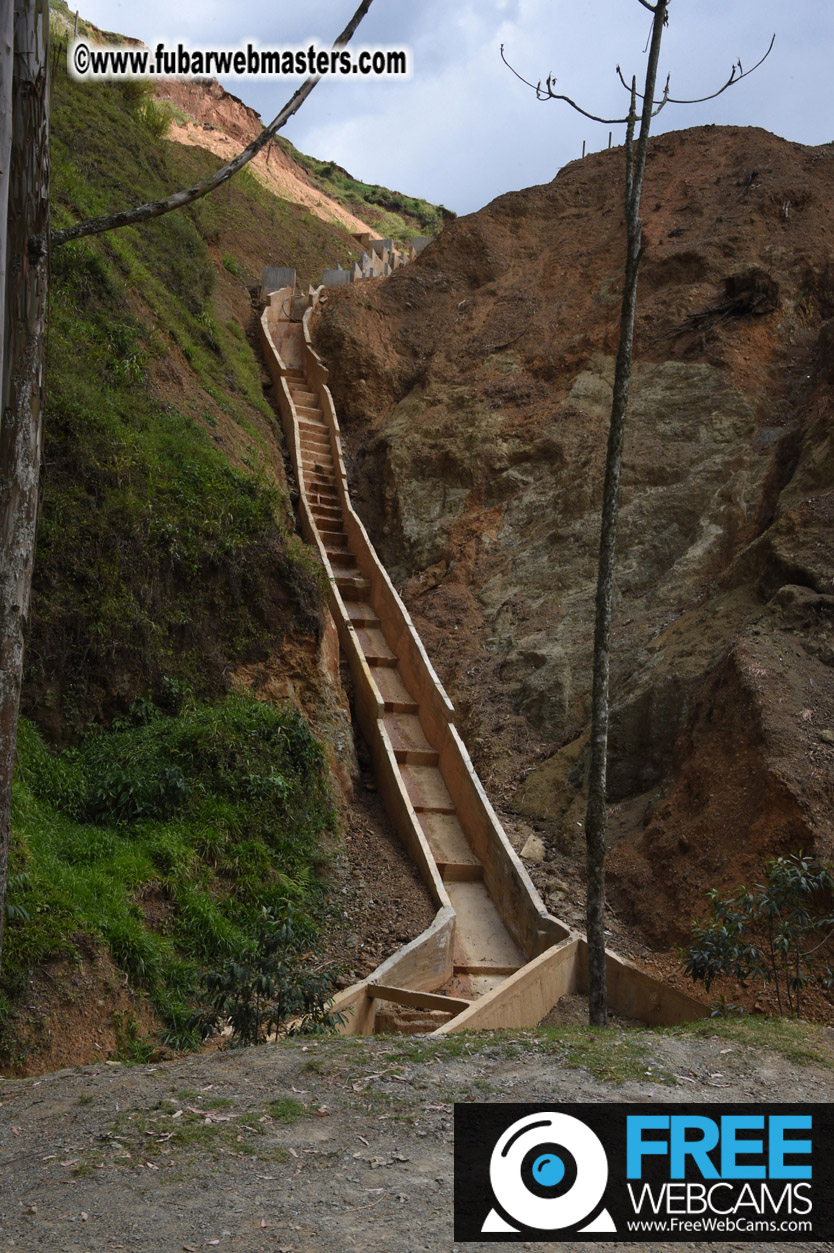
{"type": "Point", "coordinates": [337, 1144]}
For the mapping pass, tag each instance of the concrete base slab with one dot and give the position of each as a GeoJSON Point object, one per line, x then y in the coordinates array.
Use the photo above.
{"type": "Point", "coordinates": [408, 740]}
{"type": "Point", "coordinates": [394, 692]}
{"type": "Point", "coordinates": [487, 941]}
{"type": "Point", "coordinates": [361, 613]}
{"type": "Point", "coordinates": [447, 839]}
{"type": "Point", "coordinates": [375, 647]}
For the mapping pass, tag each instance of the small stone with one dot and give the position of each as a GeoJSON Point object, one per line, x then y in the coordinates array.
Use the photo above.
{"type": "Point", "coordinates": [534, 849]}
{"type": "Point", "coordinates": [827, 736]}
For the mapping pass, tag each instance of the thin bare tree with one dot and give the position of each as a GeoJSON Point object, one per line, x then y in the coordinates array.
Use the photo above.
{"type": "Point", "coordinates": [24, 263]}
{"type": "Point", "coordinates": [635, 164]}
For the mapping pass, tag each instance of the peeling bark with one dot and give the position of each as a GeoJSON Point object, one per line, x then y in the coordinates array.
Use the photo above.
{"type": "Point", "coordinates": [21, 400]}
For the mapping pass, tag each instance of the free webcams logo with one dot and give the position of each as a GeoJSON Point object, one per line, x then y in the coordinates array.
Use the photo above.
{"type": "Point", "coordinates": [638, 1172]}
{"type": "Point", "coordinates": [548, 1171]}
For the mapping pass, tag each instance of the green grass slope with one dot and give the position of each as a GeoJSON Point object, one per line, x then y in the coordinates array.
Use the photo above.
{"type": "Point", "coordinates": [175, 810]}
{"type": "Point", "coordinates": [393, 214]}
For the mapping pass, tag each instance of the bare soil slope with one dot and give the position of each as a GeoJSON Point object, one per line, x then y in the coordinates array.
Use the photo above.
{"type": "Point", "coordinates": [221, 122]}
{"type": "Point", "coordinates": [474, 389]}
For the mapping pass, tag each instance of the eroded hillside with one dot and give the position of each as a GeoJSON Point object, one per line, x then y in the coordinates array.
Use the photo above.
{"type": "Point", "coordinates": [474, 390]}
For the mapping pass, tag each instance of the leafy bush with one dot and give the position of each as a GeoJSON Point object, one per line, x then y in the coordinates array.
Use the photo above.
{"type": "Point", "coordinates": [267, 990]}
{"type": "Point", "coordinates": [768, 932]}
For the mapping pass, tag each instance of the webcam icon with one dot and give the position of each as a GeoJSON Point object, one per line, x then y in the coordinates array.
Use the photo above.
{"type": "Point", "coordinates": [548, 1171]}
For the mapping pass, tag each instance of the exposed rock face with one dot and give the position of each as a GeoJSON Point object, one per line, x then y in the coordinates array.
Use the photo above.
{"type": "Point", "coordinates": [474, 388]}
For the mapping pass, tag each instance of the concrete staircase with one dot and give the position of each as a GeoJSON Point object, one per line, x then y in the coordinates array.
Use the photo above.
{"type": "Point", "coordinates": [493, 956]}
{"type": "Point", "coordinates": [484, 951]}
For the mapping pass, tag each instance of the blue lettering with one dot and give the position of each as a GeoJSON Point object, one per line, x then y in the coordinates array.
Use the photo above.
{"type": "Point", "coordinates": [779, 1146]}
{"type": "Point", "coordinates": [697, 1149]}
{"type": "Point", "coordinates": [731, 1146]}
{"type": "Point", "coordinates": [637, 1147]}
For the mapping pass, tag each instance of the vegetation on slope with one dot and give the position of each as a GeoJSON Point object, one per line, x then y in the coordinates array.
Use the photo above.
{"type": "Point", "coordinates": [166, 837]}
{"type": "Point", "coordinates": [166, 559]}
{"type": "Point", "coordinates": [394, 215]}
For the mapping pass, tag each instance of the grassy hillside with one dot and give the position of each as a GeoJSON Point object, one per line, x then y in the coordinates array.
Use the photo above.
{"type": "Point", "coordinates": [167, 558]}
{"type": "Point", "coordinates": [394, 215]}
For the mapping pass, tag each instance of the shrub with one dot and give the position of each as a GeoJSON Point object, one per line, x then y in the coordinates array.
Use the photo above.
{"type": "Point", "coordinates": [768, 932]}
{"type": "Point", "coordinates": [266, 990]}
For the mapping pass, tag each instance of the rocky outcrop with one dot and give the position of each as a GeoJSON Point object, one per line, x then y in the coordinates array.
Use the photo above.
{"type": "Point", "coordinates": [475, 392]}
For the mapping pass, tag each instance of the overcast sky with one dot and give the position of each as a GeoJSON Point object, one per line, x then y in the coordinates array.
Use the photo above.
{"type": "Point", "coordinates": [462, 130]}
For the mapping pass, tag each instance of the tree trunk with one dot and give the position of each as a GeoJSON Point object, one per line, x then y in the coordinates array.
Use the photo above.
{"type": "Point", "coordinates": [595, 818]}
{"type": "Point", "coordinates": [6, 76]}
{"type": "Point", "coordinates": [21, 411]}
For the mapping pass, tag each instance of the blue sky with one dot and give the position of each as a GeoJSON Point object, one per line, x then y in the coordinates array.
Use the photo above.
{"type": "Point", "coordinates": [462, 130]}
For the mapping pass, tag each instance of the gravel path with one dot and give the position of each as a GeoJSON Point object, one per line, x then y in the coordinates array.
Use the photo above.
{"type": "Point", "coordinates": [331, 1145]}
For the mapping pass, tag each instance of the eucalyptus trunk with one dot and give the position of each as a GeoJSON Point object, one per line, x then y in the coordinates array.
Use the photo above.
{"type": "Point", "coordinates": [21, 410]}
{"type": "Point", "coordinates": [596, 823]}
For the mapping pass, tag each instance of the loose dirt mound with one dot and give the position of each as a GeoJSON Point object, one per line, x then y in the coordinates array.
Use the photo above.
{"type": "Point", "coordinates": [474, 388]}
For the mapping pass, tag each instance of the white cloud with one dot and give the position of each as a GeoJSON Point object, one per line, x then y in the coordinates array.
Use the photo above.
{"type": "Point", "coordinates": [462, 130]}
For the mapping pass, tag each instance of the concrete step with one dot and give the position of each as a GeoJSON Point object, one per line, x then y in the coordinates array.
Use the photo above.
{"type": "Point", "coordinates": [352, 586]}
{"type": "Point", "coordinates": [375, 647]}
{"type": "Point", "coordinates": [326, 513]}
{"type": "Point", "coordinates": [394, 693]}
{"type": "Point", "coordinates": [338, 556]}
{"type": "Point", "coordinates": [408, 740]}
{"type": "Point", "coordinates": [390, 1019]}
{"type": "Point", "coordinates": [361, 613]}
{"type": "Point", "coordinates": [302, 396]}
{"type": "Point", "coordinates": [308, 411]}
{"type": "Point", "coordinates": [482, 943]}
{"type": "Point", "coordinates": [309, 426]}
{"type": "Point", "coordinates": [426, 789]}
{"type": "Point", "coordinates": [447, 841]}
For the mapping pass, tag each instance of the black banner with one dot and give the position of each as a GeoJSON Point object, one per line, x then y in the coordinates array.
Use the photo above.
{"type": "Point", "coordinates": [643, 1172]}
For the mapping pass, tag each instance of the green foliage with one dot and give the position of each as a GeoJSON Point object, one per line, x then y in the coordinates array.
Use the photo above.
{"type": "Point", "coordinates": [267, 989]}
{"type": "Point", "coordinates": [16, 886]}
{"type": "Point", "coordinates": [767, 932]}
{"type": "Point", "coordinates": [231, 264]}
{"type": "Point", "coordinates": [166, 837]}
{"type": "Point", "coordinates": [156, 553]}
{"type": "Point", "coordinates": [157, 117]}
{"type": "Point", "coordinates": [133, 1045]}
{"type": "Point", "coordinates": [395, 215]}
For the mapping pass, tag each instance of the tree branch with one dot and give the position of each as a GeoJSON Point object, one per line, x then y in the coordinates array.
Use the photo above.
{"type": "Point", "coordinates": [736, 75]}
{"type": "Point", "coordinates": [155, 208]}
{"type": "Point", "coordinates": [550, 94]}
{"type": "Point", "coordinates": [646, 5]}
